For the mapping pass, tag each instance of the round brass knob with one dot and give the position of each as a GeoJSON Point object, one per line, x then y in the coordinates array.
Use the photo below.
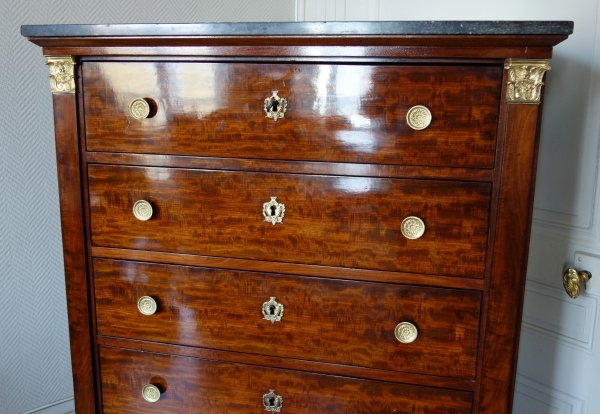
{"type": "Point", "coordinates": [418, 117]}
{"type": "Point", "coordinates": [139, 108]}
{"type": "Point", "coordinates": [151, 393]}
{"type": "Point", "coordinates": [572, 281]}
{"type": "Point", "coordinates": [142, 210]}
{"type": "Point", "coordinates": [147, 305]}
{"type": "Point", "coordinates": [406, 332]}
{"type": "Point", "coordinates": [412, 227]}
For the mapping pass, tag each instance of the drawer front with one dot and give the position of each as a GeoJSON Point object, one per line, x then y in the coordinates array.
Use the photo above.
{"type": "Point", "coordinates": [192, 385]}
{"type": "Point", "coordinates": [336, 113]}
{"type": "Point", "coordinates": [334, 221]}
{"type": "Point", "coordinates": [335, 321]}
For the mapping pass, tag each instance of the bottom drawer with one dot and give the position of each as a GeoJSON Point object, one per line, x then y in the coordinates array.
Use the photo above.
{"type": "Point", "coordinates": [193, 385]}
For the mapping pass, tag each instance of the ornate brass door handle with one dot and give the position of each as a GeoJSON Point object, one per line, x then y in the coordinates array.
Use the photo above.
{"type": "Point", "coordinates": [572, 281]}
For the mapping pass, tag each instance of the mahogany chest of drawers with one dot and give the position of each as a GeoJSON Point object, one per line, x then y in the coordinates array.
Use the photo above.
{"type": "Point", "coordinates": [296, 217]}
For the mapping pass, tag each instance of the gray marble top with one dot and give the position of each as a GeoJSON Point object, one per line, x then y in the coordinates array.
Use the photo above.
{"type": "Point", "coordinates": [306, 29]}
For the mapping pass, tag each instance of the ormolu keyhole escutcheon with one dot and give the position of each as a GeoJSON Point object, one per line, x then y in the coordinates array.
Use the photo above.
{"type": "Point", "coordinates": [273, 211]}
{"type": "Point", "coordinates": [272, 311]}
{"type": "Point", "coordinates": [275, 106]}
{"type": "Point", "coordinates": [272, 402]}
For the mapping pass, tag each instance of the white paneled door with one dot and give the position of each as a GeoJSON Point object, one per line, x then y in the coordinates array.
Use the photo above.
{"type": "Point", "coordinates": [559, 360]}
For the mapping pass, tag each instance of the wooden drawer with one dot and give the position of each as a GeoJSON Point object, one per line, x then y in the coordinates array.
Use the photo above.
{"type": "Point", "coordinates": [335, 321]}
{"type": "Point", "coordinates": [336, 113]}
{"type": "Point", "coordinates": [192, 385]}
{"type": "Point", "coordinates": [329, 220]}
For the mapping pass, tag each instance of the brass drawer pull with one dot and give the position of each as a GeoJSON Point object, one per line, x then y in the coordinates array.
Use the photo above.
{"type": "Point", "coordinates": [139, 108]}
{"type": "Point", "coordinates": [147, 305]}
{"type": "Point", "coordinates": [142, 210]}
{"type": "Point", "coordinates": [273, 211]}
{"type": "Point", "coordinates": [412, 227]}
{"type": "Point", "coordinates": [151, 393]}
{"type": "Point", "coordinates": [572, 281]}
{"type": "Point", "coordinates": [275, 106]}
{"type": "Point", "coordinates": [406, 332]}
{"type": "Point", "coordinates": [418, 117]}
{"type": "Point", "coordinates": [272, 311]}
{"type": "Point", "coordinates": [272, 402]}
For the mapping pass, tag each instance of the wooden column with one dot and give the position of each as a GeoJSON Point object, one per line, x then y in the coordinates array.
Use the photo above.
{"type": "Point", "coordinates": [62, 81]}
{"type": "Point", "coordinates": [520, 132]}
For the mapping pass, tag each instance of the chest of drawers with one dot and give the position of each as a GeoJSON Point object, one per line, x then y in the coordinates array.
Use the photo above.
{"type": "Point", "coordinates": [296, 217]}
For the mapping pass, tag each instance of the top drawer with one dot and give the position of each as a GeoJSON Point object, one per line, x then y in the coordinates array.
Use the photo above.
{"type": "Point", "coordinates": [335, 113]}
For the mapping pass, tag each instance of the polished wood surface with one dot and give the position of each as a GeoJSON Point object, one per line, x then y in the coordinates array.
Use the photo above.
{"type": "Point", "coordinates": [74, 249]}
{"type": "Point", "coordinates": [324, 320]}
{"type": "Point", "coordinates": [298, 167]}
{"type": "Point", "coordinates": [333, 221]}
{"type": "Point", "coordinates": [289, 363]}
{"type": "Point", "coordinates": [191, 385]}
{"type": "Point", "coordinates": [515, 209]}
{"type": "Point", "coordinates": [421, 51]}
{"type": "Point", "coordinates": [340, 113]}
{"type": "Point", "coordinates": [415, 279]}
{"type": "Point", "coordinates": [348, 169]}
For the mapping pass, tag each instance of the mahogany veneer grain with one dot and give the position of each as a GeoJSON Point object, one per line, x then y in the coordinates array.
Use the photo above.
{"type": "Point", "coordinates": [332, 221]}
{"type": "Point", "coordinates": [222, 309]}
{"type": "Point", "coordinates": [348, 169]}
{"type": "Point", "coordinates": [337, 113]}
{"type": "Point", "coordinates": [195, 385]}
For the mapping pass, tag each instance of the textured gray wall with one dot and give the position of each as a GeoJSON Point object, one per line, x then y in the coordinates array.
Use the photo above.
{"type": "Point", "coordinates": [34, 348]}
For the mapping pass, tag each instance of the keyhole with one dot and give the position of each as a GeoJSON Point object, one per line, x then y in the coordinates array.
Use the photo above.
{"type": "Point", "coordinates": [273, 210]}
{"type": "Point", "coordinates": [271, 402]}
{"type": "Point", "coordinates": [272, 308]}
{"type": "Point", "coordinates": [272, 106]}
